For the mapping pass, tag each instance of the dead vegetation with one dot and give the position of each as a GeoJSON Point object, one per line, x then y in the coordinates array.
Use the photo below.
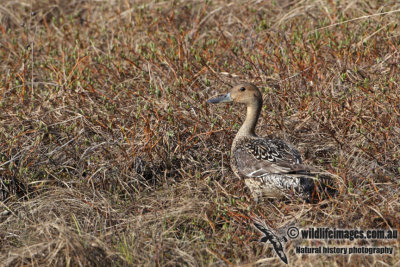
{"type": "Point", "coordinates": [109, 154]}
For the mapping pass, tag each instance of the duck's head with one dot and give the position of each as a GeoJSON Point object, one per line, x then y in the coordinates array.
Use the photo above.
{"type": "Point", "coordinates": [245, 93]}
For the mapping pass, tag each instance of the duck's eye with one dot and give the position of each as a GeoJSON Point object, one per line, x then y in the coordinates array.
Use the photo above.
{"type": "Point", "coordinates": [242, 89]}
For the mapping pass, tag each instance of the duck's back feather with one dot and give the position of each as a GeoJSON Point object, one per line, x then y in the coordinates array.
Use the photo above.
{"type": "Point", "coordinates": [256, 157]}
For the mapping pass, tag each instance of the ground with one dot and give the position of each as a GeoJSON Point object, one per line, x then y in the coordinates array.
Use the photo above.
{"type": "Point", "coordinates": [110, 155]}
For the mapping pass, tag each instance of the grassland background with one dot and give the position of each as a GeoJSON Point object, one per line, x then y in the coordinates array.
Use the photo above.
{"type": "Point", "coordinates": [110, 156]}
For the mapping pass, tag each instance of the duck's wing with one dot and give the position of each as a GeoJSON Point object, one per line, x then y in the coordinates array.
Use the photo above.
{"type": "Point", "coordinates": [258, 157]}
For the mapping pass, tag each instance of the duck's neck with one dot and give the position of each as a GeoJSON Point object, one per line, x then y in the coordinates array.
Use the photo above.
{"type": "Point", "coordinates": [249, 125]}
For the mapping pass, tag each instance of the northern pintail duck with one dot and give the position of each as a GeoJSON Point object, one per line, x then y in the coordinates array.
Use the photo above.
{"type": "Point", "coordinates": [270, 168]}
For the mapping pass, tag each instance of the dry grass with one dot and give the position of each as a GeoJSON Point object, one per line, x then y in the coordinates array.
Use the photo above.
{"type": "Point", "coordinates": [110, 156]}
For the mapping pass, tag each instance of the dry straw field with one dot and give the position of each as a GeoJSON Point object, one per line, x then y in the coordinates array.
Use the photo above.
{"type": "Point", "coordinates": [110, 155]}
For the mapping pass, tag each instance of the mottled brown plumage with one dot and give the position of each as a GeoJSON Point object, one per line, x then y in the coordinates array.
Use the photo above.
{"type": "Point", "coordinates": [270, 168]}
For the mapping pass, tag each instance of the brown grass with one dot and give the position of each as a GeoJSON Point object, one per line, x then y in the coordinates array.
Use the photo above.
{"type": "Point", "coordinates": [110, 156]}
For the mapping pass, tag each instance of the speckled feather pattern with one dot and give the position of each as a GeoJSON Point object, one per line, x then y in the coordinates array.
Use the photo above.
{"type": "Point", "coordinates": [270, 168]}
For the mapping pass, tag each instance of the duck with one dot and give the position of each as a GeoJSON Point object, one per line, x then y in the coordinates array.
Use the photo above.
{"type": "Point", "coordinates": [270, 168]}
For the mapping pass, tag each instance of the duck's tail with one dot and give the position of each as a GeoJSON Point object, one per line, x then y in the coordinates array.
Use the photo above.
{"type": "Point", "coordinates": [319, 185]}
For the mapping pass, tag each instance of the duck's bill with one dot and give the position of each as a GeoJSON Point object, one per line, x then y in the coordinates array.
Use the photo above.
{"type": "Point", "coordinates": [220, 99]}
